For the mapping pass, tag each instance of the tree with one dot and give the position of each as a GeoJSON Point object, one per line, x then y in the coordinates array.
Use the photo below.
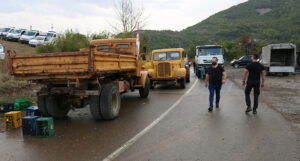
{"type": "Point", "coordinates": [129, 16]}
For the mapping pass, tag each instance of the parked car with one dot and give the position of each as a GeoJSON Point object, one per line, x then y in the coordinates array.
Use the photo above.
{"type": "Point", "coordinates": [4, 32]}
{"type": "Point", "coordinates": [242, 62]}
{"type": "Point", "coordinates": [29, 35]}
{"type": "Point", "coordinates": [2, 52]}
{"type": "Point", "coordinates": [39, 40]}
{"type": "Point", "coordinates": [15, 34]}
{"type": "Point", "coordinates": [51, 34]}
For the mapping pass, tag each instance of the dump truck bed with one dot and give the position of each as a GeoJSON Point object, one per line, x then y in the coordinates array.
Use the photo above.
{"type": "Point", "coordinates": [69, 65]}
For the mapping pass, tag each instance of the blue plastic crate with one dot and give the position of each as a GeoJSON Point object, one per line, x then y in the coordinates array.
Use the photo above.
{"type": "Point", "coordinates": [29, 125]}
{"type": "Point", "coordinates": [33, 111]}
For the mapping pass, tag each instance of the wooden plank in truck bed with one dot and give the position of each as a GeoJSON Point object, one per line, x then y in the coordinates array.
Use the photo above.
{"type": "Point", "coordinates": [68, 65]}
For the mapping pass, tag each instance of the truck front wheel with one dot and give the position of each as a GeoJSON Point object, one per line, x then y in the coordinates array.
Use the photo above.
{"type": "Point", "coordinates": [144, 92]}
{"type": "Point", "coordinates": [182, 83]}
{"type": "Point", "coordinates": [188, 78]}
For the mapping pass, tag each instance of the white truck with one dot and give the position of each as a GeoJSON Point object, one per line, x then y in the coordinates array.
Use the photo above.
{"type": "Point", "coordinates": [203, 57]}
{"type": "Point", "coordinates": [279, 58]}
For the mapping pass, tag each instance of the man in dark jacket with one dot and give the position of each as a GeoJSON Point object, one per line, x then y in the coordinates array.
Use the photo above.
{"type": "Point", "coordinates": [256, 79]}
{"type": "Point", "coordinates": [215, 77]}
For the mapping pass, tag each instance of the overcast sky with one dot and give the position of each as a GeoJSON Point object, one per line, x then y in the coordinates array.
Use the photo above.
{"type": "Point", "coordinates": [89, 16]}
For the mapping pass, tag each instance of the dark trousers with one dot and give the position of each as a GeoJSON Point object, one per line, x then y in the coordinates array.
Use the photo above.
{"type": "Point", "coordinates": [248, 90]}
{"type": "Point", "coordinates": [212, 89]}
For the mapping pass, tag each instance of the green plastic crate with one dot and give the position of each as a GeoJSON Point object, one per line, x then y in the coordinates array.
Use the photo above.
{"type": "Point", "coordinates": [44, 127]}
{"type": "Point", "coordinates": [21, 104]}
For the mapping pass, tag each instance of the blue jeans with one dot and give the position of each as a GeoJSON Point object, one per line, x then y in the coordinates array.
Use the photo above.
{"type": "Point", "coordinates": [212, 89]}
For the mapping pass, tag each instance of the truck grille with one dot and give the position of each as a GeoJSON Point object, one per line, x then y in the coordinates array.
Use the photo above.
{"type": "Point", "coordinates": [164, 69]}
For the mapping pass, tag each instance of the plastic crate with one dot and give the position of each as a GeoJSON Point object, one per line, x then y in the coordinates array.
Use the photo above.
{"type": "Point", "coordinates": [6, 107]}
{"type": "Point", "coordinates": [29, 127]}
{"type": "Point", "coordinates": [21, 104]}
{"type": "Point", "coordinates": [44, 127]}
{"type": "Point", "coordinates": [13, 119]}
{"type": "Point", "coordinates": [33, 111]}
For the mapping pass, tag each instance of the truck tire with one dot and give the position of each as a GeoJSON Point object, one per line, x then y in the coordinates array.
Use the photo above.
{"type": "Point", "coordinates": [57, 106]}
{"type": "Point", "coordinates": [110, 102]}
{"type": "Point", "coordinates": [199, 74]}
{"type": "Point", "coordinates": [144, 92]}
{"type": "Point", "coordinates": [94, 102]}
{"type": "Point", "coordinates": [188, 78]}
{"type": "Point", "coordinates": [41, 102]}
{"type": "Point", "coordinates": [182, 83]}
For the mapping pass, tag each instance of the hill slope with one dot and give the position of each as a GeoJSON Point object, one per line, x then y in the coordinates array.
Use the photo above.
{"type": "Point", "coordinates": [264, 20]}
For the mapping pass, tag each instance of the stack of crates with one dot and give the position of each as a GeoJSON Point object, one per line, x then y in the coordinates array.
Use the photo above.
{"type": "Point", "coordinates": [21, 104]}
{"type": "Point", "coordinates": [33, 111]}
{"type": "Point", "coordinates": [6, 107]}
{"type": "Point", "coordinates": [29, 125]}
{"type": "Point", "coordinates": [13, 119]}
{"type": "Point", "coordinates": [44, 127]}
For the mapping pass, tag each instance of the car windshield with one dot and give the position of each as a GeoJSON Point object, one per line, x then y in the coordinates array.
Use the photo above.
{"type": "Point", "coordinates": [166, 56]}
{"type": "Point", "coordinates": [241, 58]}
{"type": "Point", "coordinates": [16, 31]}
{"type": "Point", "coordinates": [5, 29]}
{"type": "Point", "coordinates": [29, 33]}
{"type": "Point", "coordinates": [210, 51]}
{"type": "Point", "coordinates": [50, 34]}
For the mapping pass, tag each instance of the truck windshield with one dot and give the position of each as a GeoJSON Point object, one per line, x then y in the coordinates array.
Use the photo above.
{"type": "Point", "coordinates": [166, 56]}
{"type": "Point", "coordinates": [210, 51]}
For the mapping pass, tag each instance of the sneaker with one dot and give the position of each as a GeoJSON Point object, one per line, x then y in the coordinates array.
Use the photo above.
{"type": "Point", "coordinates": [254, 111]}
{"type": "Point", "coordinates": [217, 106]}
{"type": "Point", "coordinates": [210, 109]}
{"type": "Point", "coordinates": [249, 109]}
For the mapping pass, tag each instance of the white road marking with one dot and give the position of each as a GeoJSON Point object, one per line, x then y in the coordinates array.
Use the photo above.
{"type": "Point", "coordinates": [130, 142]}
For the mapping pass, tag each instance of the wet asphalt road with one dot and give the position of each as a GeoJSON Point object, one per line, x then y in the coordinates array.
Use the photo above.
{"type": "Point", "coordinates": [188, 132]}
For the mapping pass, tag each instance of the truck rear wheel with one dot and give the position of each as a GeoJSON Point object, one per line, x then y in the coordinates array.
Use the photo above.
{"type": "Point", "coordinates": [94, 102]}
{"type": "Point", "coordinates": [144, 92]}
{"type": "Point", "coordinates": [182, 83]}
{"type": "Point", "coordinates": [57, 106]}
{"type": "Point", "coordinates": [107, 105]}
{"type": "Point", "coordinates": [110, 101]}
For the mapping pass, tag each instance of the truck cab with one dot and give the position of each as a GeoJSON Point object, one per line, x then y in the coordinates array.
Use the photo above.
{"type": "Point", "coordinates": [168, 65]}
{"type": "Point", "coordinates": [203, 57]}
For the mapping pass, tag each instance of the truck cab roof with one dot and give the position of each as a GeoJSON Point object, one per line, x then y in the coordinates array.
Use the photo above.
{"type": "Point", "coordinates": [168, 50]}
{"type": "Point", "coordinates": [208, 46]}
{"type": "Point", "coordinates": [119, 46]}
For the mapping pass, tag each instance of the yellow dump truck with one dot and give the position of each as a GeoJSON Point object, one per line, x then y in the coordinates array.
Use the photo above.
{"type": "Point", "coordinates": [96, 76]}
{"type": "Point", "coordinates": [168, 65]}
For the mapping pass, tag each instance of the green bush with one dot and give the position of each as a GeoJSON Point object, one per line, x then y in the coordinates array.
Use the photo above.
{"type": "Point", "coordinates": [70, 41]}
